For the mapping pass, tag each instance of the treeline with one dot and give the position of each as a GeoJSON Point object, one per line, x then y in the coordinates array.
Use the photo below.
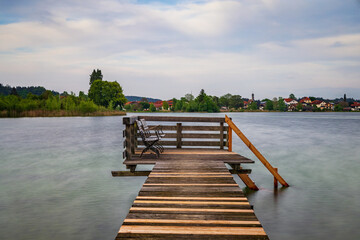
{"type": "Point", "coordinates": [104, 98]}
{"type": "Point", "coordinates": [202, 103]}
{"type": "Point", "coordinates": [23, 91]}
{"type": "Point", "coordinates": [14, 105]}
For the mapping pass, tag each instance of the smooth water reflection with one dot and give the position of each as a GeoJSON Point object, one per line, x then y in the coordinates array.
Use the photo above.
{"type": "Point", "coordinates": [55, 175]}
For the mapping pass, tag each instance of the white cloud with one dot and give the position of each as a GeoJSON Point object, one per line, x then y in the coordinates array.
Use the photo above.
{"type": "Point", "coordinates": [268, 46]}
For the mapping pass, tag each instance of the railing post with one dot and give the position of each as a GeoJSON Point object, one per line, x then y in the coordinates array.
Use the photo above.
{"type": "Point", "coordinates": [178, 135]}
{"type": "Point", "coordinates": [221, 135]}
{"type": "Point", "coordinates": [133, 136]}
{"type": "Point", "coordinates": [130, 135]}
{"type": "Point", "coordinates": [229, 141]}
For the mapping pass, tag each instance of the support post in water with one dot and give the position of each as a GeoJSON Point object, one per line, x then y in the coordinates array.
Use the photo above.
{"type": "Point", "coordinates": [275, 180]}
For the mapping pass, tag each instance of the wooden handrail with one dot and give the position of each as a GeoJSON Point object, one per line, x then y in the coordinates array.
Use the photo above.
{"type": "Point", "coordinates": [255, 151]}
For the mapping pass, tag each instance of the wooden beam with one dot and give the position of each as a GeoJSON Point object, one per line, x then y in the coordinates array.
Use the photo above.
{"type": "Point", "coordinates": [128, 173]}
{"type": "Point", "coordinates": [210, 230]}
{"type": "Point", "coordinates": [189, 221]}
{"type": "Point", "coordinates": [240, 171]}
{"type": "Point", "coordinates": [178, 135]}
{"type": "Point", "coordinates": [229, 139]}
{"type": "Point", "coordinates": [248, 182]}
{"type": "Point", "coordinates": [221, 135]}
{"type": "Point", "coordinates": [255, 151]}
{"type": "Point", "coordinates": [182, 119]}
{"type": "Point", "coordinates": [191, 128]}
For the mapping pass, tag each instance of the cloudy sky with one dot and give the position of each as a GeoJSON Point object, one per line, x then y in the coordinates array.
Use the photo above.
{"type": "Point", "coordinates": [166, 49]}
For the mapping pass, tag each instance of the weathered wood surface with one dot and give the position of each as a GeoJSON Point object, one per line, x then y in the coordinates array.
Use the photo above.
{"type": "Point", "coordinates": [191, 199]}
{"type": "Point", "coordinates": [195, 154]}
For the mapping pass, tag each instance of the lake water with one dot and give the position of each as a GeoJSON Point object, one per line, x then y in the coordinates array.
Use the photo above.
{"type": "Point", "coordinates": [56, 183]}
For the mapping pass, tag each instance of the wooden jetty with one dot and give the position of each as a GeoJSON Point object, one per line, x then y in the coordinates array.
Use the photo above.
{"type": "Point", "coordinates": [190, 193]}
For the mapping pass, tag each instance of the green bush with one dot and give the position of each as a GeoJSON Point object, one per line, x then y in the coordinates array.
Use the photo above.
{"type": "Point", "coordinates": [87, 107]}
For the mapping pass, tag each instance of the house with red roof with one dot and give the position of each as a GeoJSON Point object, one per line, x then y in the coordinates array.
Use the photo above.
{"type": "Point", "coordinates": [319, 104]}
{"type": "Point", "coordinates": [305, 101]}
{"type": "Point", "coordinates": [158, 105]}
{"type": "Point", "coordinates": [290, 101]}
{"type": "Point", "coordinates": [355, 106]}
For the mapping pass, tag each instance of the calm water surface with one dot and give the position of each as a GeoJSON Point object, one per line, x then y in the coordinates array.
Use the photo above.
{"type": "Point", "coordinates": [55, 175]}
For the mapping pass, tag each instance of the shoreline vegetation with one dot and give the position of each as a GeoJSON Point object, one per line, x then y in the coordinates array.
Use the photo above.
{"type": "Point", "coordinates": [59, 113]}
{"type": "Point", "coordinates": [104, 98]}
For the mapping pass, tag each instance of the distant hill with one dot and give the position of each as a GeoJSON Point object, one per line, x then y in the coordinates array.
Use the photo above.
{"type": "Point", "coordinates": [136, 98]}
{"type": "Point", "coordinates": [23, 91]}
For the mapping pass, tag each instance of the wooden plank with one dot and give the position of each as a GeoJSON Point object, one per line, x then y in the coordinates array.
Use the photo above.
{"type": "Point", "coordinates": [197, 173]}
{"type": "Point", "coordinates": [128, 173]}
{"type": "Point", "coordinates": [191, 128]}
{"type": "Point", "coordinates": [175, 221]}
{"type": "Point", "coordinates": [255, 151]}
{"type": "Point", "coordinates": [195, 198]}
{"type": "Point", "coordinates": [193, 184]}
{"type": "Point", "coordinates": [181, 119]}
{"type": "Point", "coordinates": [164, 209]}
{"type": "Point", "coordinates": [213, 230]}
{"type": "Point", "coordinates": [186, 143]}
{"type": "Point", "coordinates": [192, 202]}
{"type": "Point", "coordinates": [196, 135]}
{"type": "Point", "coordinates": [248, 182]}
{"type": "Point", "coordinates": [191, 176]}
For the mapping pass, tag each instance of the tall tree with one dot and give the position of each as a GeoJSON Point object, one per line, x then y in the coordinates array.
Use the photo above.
{"type": "Point", "coordinates": [189, 97]}
{"type": "Point", "coordinates": [225, 100]}
{"type": "Point", "coordinates": [165, 105]}
{"type": "Point", "coordinates": [201, 96]}
{"type": "Point", "coordinates": [14, 92]}
{"type": "Point", "coordinates": [95, 75]}
{"type": "Point", "coordinates": [236, 101]}
{"type": "Point", "coordinates": [292, 96]}
{"type": "Point", "coordinates": [102, 92]}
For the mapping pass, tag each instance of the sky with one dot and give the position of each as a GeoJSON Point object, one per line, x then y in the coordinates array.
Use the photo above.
{"type": "Point", "coordinates": [166, 49]}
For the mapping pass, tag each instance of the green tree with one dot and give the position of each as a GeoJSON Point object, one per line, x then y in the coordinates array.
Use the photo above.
{"type": "Point", "coordinates": [145, 105]}
{"type": "Point", "coordinates": [281, 105]}
{"type": "Point", "coordinates": [201, 96]}
{"type": "Point", "coordinates": [292, 96]}
{"type": "Point", "coordinates": [224, 100]}
{"type": "Point", "coordinates": [189, 97]}
{"type": "Point", "coordinates": [236, 101]}
{"type": "Point", "coordinates": [14, 92]}
{"type": "Point", "coordinates": [165, 105]}
{"type": "Point", "coordinates": [269, 105]}
{"type": "Point", "coordinates": [95, 75]}
{"type": "Point", "coordinates": [152, 107]}
{"type": "Point", "coordinates": [178, 105]}
{"type": "Point", "coordinates": [299, 106]}
{"type": "Point", "coordinates": [102, 92]}
{"type": "Point", "coordinates": [253, 106]}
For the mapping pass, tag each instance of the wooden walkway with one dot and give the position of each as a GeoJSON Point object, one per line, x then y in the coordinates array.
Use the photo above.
{"type": "Point", "coordinates": [191, 196]}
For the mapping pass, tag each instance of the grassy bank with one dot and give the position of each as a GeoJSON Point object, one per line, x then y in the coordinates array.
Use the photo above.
{"type": "Point", "coordinates": [58, 113]}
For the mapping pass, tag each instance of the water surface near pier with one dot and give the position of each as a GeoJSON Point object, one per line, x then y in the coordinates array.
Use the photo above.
{"type": "Point", "coordinates": [55, 175]}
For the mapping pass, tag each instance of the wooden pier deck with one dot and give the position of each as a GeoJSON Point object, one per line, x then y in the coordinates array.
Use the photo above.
{"type": "Point", "coordinates": [190, 193]}
{"type": "Point", "coordinates": [191, 199]}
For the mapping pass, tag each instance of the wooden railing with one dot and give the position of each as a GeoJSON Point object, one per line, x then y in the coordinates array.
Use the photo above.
{"type": "Point", "coordinates": [272, 170]}
{"type": "Point", "coordinates": [211, 133]}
